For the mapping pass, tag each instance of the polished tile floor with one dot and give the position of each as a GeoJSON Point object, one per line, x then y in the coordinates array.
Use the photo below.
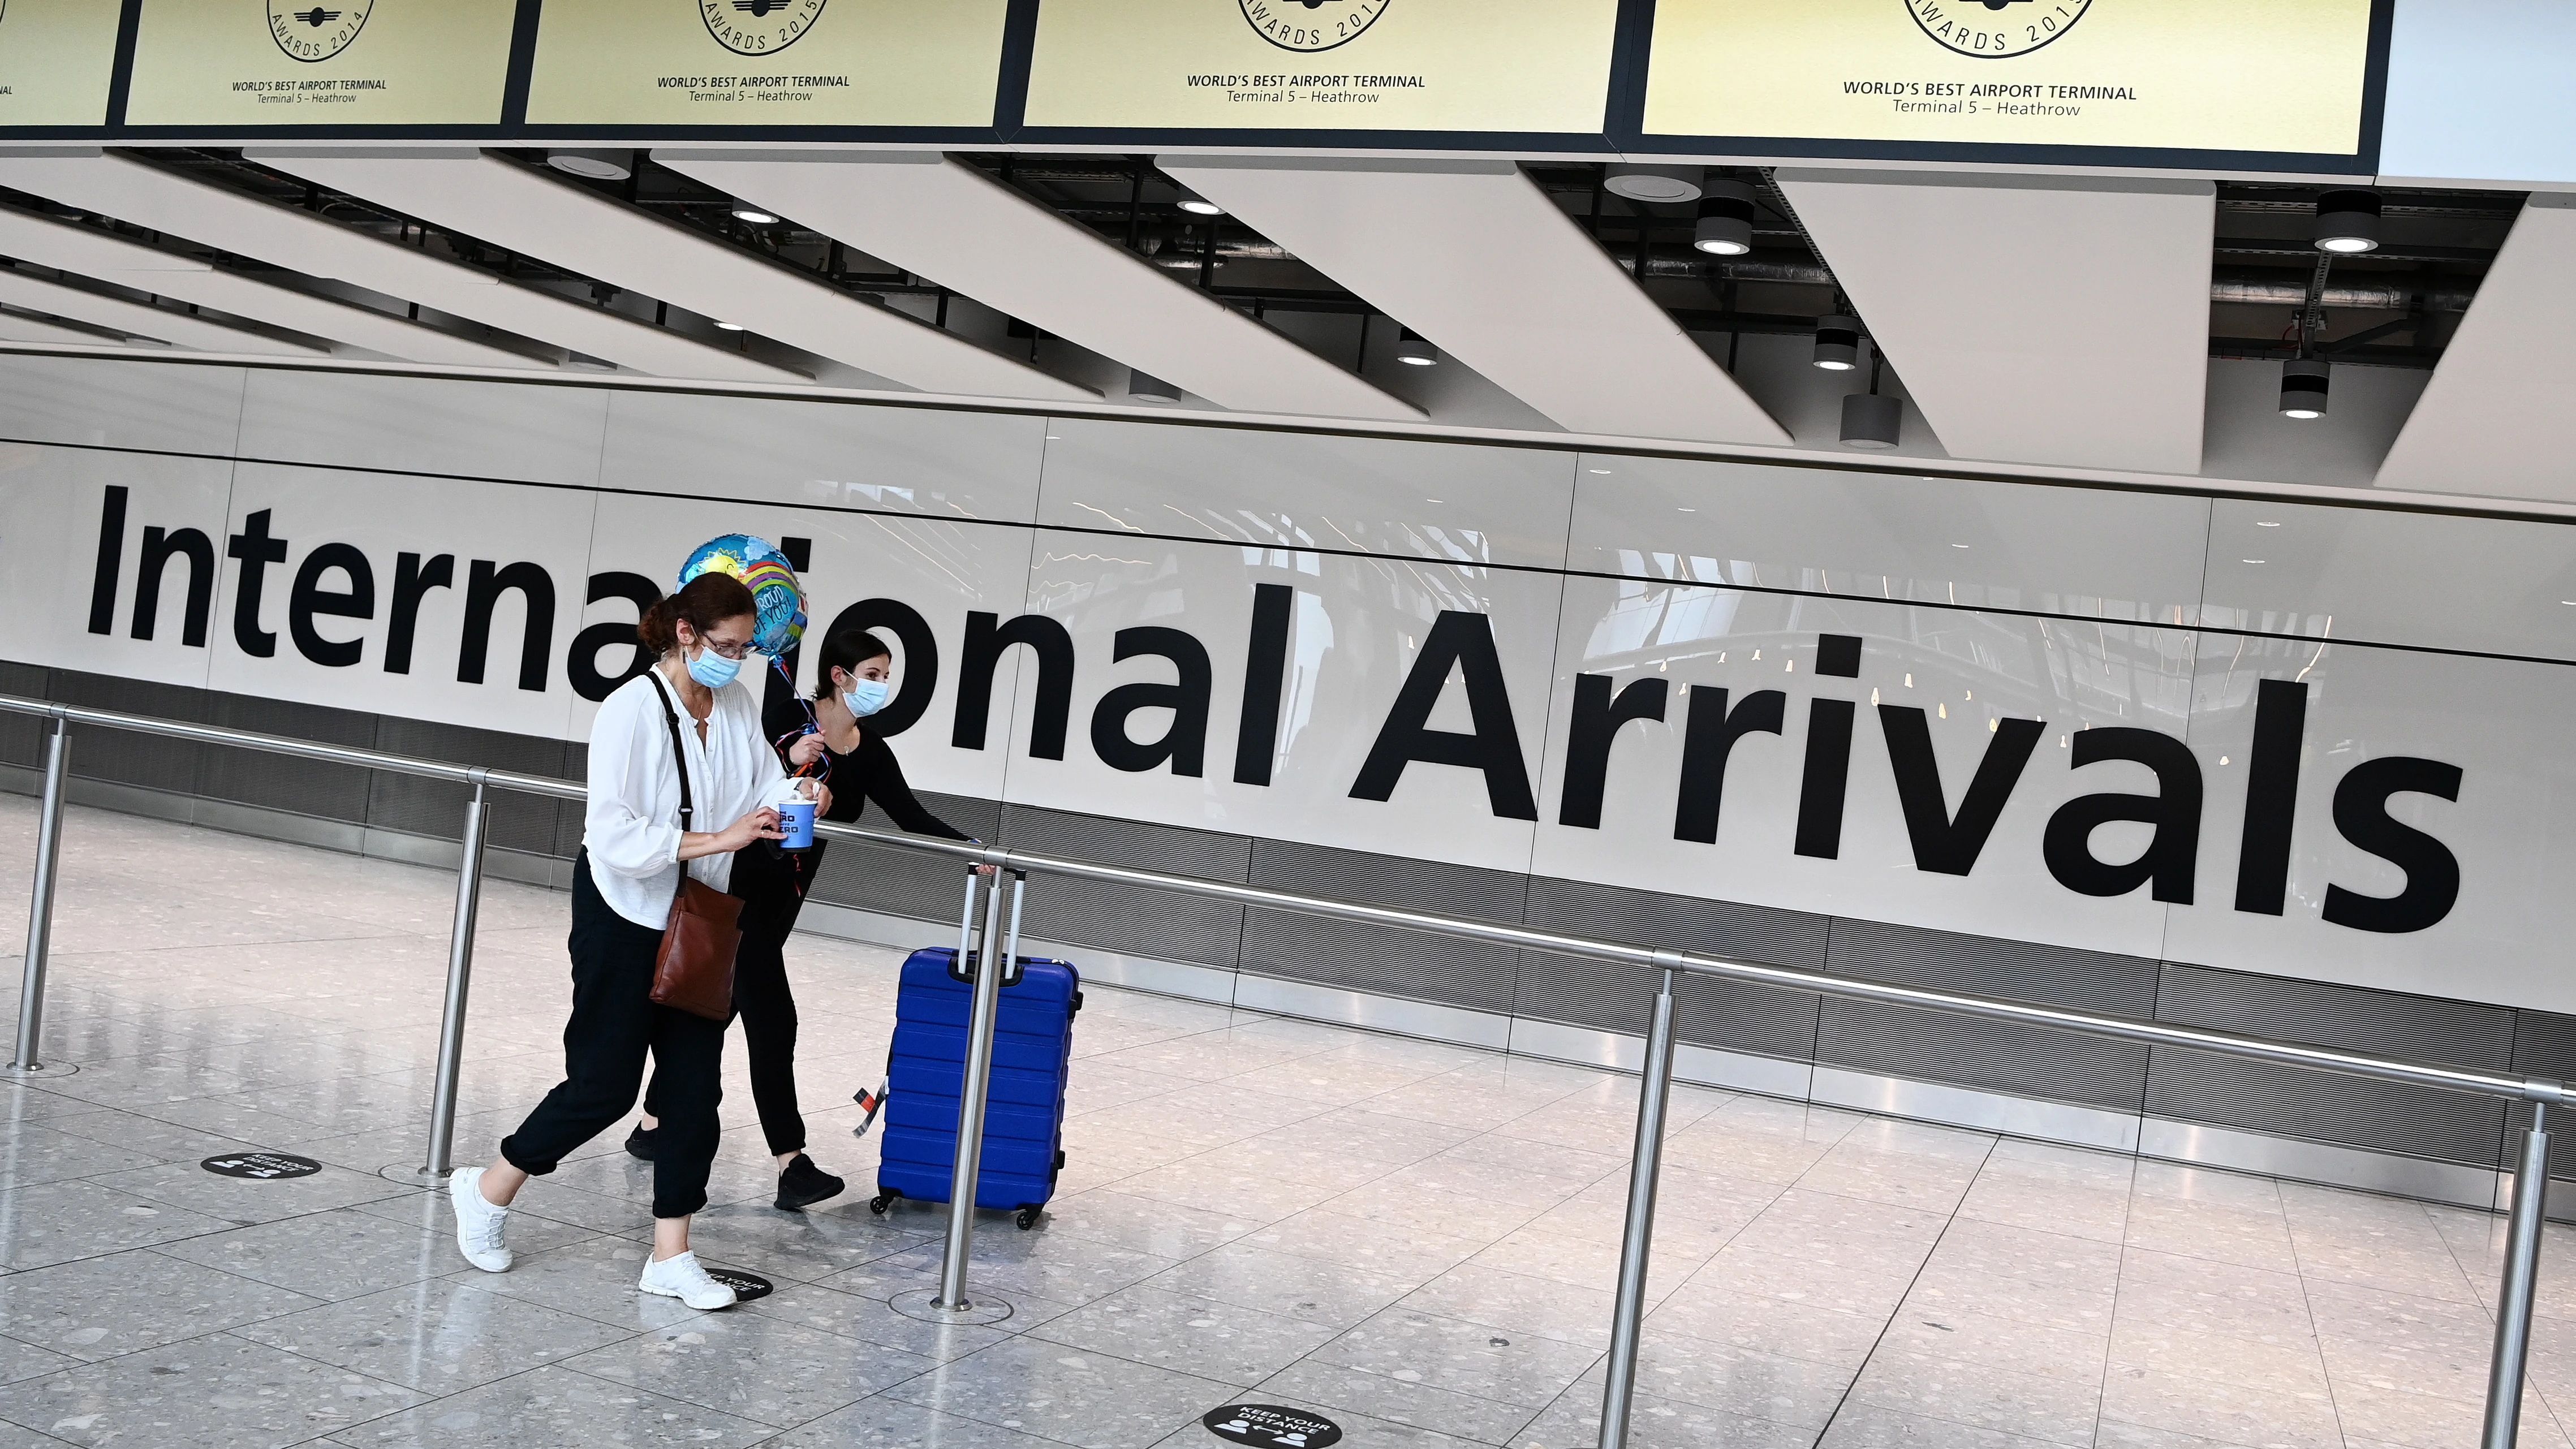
{"type": "Point", "coordinates": [1415, 1240]}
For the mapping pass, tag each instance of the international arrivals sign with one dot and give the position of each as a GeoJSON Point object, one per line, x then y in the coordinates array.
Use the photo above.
{"type": "Point", "coordinates": [2282, 76]}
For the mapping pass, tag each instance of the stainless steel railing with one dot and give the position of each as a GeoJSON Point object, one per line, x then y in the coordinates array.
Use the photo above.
{"type": "Point", "coordinates": [2531, 1175]}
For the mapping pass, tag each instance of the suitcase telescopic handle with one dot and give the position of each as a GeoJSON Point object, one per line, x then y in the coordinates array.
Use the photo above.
{"type": "Point", "coordinates": [962, 965]}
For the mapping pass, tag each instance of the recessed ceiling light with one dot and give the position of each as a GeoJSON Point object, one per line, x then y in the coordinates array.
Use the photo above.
{"type": "Point", "coordinates": [757, 216]}
{"type": "Point", "coordinates": [1654, 183]}
{"type": "Point", "coordinates": [593, 165]}
{"type": "Point", "coordinates": [2265, 523]}
{"type": "Point", "coordinates": [1602, 471]}
{"type": "Point", "coordinates": [1958, 545]}
{"type": "Point", "coordinates": [1197, 205]}
{"type": "Point", "coordinates": [2253, 560]}
{"type": "Point", "coordinates": [729, 327]}
{"type": "Point", "coordinates": [2348, 222]}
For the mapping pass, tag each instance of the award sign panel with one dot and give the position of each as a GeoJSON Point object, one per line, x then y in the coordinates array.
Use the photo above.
{"type": "Point", "coordinates": [2192, 75]}
{"type": "Point", "coordinates": [320, 63]}
{"type": "Point", "coordinates": [1323, 65]}
{"type": "Point", "coordinates": [767, 63]}
{"type": "Point", "coordinates": [56, 59]}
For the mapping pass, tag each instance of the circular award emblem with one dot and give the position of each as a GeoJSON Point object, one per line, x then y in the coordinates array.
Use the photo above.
{"type": "Point", "coordinates": [1996, 29]}
{"type": "Point", "coordinates": [759, 27]}
{"type": "Point", "coordinates": [318, 31]}
{"type": "Point", "coordinates": [1311, 25]}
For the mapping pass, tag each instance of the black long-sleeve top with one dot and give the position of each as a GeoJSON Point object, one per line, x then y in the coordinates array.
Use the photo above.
{"type": "Point", "coordinates": [870, 772]}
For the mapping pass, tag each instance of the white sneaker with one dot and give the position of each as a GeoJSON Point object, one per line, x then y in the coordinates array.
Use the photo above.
{"type": "Point", "coordinates": [478, 1223]}
{"type": "Point", "coordinates": [681, 1277]}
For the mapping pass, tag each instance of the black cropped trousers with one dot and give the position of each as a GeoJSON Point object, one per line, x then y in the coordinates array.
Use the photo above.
{"type": "Point", "coordinates": [615, 1025]}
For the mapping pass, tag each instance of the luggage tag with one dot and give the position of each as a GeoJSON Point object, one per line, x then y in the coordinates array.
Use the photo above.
{"type": "Point", "coordinates": [872, 1103]}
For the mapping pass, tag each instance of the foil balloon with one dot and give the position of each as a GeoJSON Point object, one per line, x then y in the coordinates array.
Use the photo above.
{"type": "Point", "coordinates": [764, 571]}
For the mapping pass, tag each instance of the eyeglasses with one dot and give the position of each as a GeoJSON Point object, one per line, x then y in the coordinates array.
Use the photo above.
{"type": "Point", "coordinates": [729, 651]}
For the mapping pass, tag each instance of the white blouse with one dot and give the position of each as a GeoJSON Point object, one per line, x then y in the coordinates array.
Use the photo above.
{"type": "Point", "coordinates": [632, 830]}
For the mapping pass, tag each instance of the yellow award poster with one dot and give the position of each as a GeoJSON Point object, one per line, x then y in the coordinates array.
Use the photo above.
{"type": "Point", "coordinates": [1323, 65]}
{"type": "Point", "coordinates": [767, 62]}
{"type": "Point", "coordinates": [320, 62]}
{"type": "Point", "coordinates": [2198, 75]}
{"type": "Point", "coordinates": [56, 59]}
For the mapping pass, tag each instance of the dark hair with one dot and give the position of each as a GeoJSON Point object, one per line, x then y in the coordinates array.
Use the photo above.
{"type": "Point", "coordinates": [705, 601]}
{"type": "Point", "coordinates": [847, 649]}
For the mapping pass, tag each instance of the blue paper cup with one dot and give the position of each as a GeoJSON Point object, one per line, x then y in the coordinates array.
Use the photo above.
{"type": "Point", "coordinates": [796, 817]}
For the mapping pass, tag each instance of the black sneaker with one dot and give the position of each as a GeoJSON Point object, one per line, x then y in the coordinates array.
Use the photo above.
{"type": "Point", "coordinates": [639, 1143]}
{"type": "Point", "coordinates": [804, 1183]}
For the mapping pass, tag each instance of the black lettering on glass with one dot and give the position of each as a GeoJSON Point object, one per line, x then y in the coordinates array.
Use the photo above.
{"type": "Point", "coordinates": [1185, 742]}
{"type": "Point", "coordinates": [917, 673]}
{"type": "Point", "coordinates": [1464, 642]}
{"type": "Point", "coordinates": [412, 582]}
{"type": "Point", "coordinates": [256, 551]}
{"type": "Point", "coordinates": [581, 665]}
{"type": "Point", "coordinates": [986, 638]}
{"type": "Point", "coordinates": [2432, 872]}
{"type": "Point", "coordinates": [1265, 669]}
{"type": "Point", "coordinates": [308, 598]}
{"type": "Point", "coordinates": [484, 586]}
{"type": "Point", "coordinates": [1708, 741]}
{"type": "Point", "coordinates": [2170, 859]}
{"type": "Point", "coordinates": [1943, 843]}
{"type": "Point", "coordinates": [111, 559]}
{"type": "Point", "coordinates": [1825, 779]}
{"type": "Point", "coordinates": [1838, 654]}
{"type": "Point", "coordinates": [158, 549]}
{"type": "Point", "coordinates": [1591, 731]}
{"type": "Point", "coordinates": [2271, 796]}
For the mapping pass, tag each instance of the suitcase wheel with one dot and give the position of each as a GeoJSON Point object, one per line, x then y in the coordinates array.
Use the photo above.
{"type": "Point", "coordinates": [1027, 1218]}
{"type": "Point", "coordinates": [882, 1201]}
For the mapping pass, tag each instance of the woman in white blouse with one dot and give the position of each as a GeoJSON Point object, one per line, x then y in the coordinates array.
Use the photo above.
{"type": "Point", "coordinates": [632, 852]}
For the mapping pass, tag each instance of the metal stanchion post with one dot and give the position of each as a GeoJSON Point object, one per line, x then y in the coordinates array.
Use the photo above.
{"type": "Point", "coordinates": [1644, 1166]}
{"type": "Point", "coordinates": [971, 1095]}
{"type": "Point", "coordinates": [434, 1169]}
{"type": "Point", "coordinates": [29, 1061]}
{"type": "Point", "coordinates": [2521, 1271]}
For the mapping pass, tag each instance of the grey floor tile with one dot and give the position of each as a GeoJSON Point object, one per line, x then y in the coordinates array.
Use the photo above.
{"type": "Point", "coordinates": [434, 1335]}
{"type": "Point", "coordinates": [1041, 1264]}
{"type": "Point", "coordinates": [594, 1278]}
{"type": "Point", "coordinates": [31, 1153]}
{"type": "Point", "coordinates": [1202, 1336]}
{"type": "Point", "coordinates": [2034, 1406]}
{"type": "Point", "coordinates": [1088, 1399]}
{"type": "Point", "coordinates": [1469, 1358]}
{"type": "Point", "coordinates": [1357, 1429]}
{"type": "Point", "coordinates": [1870, 1426]}
{"type": "Point", "coordinates": [1338, 1391]}
{"type": "Point", "coordinates": [1274, 1282]}
{"type": "Point", "coordinates": [869, 1320]}
{"type": "Point", "coordinates": [810, 1246]}
{"type": "Point", "coordinates": [764, 1369]}
{"type": "Point", "coordinates": [561, 1409]}
{"type": "Point", "coordinates": [331, 1255]}
{"type": "Point", "coordinates": [250, 1200]}
{"type": "Point", "coordinates": [216, 1392]}
{"type": "Point", "coordinates": [56, 1222]}
{"type": "Point", "coordinates": [885, 1422]}
{"type": "Point", "coordinates": [98, 1308]}
{"type": "Point", "coordinates": [1574, 1422]}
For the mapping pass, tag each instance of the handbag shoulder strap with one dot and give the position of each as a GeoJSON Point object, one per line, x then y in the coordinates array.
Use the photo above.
{"type": "Point", "coordinates": [679, 751]}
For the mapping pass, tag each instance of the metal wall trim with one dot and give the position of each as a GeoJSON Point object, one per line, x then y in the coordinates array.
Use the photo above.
{"type": "Point", "coordinates": [1340, 1006]}
{"type": "Point", "coordinates": [2012, 1116]}
{"type": "Point", "coordinates": [2320, 1162]}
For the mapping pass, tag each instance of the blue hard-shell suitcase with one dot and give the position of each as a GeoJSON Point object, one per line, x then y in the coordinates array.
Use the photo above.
{"type": "Point", "coordinates": [1024, 1112]}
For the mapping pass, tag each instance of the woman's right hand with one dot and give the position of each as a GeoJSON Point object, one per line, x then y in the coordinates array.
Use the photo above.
{"type": "Point", "coordinates": [761, 824]}
{"type": "Point", "coordinates": [806, 750]}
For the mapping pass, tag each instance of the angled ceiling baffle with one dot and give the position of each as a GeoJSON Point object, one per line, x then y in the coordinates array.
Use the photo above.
{"type": "Point", "coordinates": [90, 252]}
{"type": "Point", "coordinates": [520, 207]}
{"type": "Point", "coordinates": [145, 195]}
{"type": "Point", "coordinates": [2489, 420]}
{"type": "Point", "coordinates": [1483, 263]}
{"type": "Point", "coordinates": [946, 221]}
{"type": "Point", "coordinates": [19, 288]}
{"type": "Point", "coordinates": [2056, 320]}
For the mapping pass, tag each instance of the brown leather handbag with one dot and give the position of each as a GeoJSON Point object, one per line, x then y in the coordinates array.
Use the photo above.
{"type": "Point", "coordinates": [694, 972]}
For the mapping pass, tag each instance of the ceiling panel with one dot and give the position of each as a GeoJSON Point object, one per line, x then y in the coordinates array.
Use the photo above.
{"type": "Point", "coordinates": [148, 196]}
{"type": "Point", "coordinates": [948, 222]}
{"type": "Point", "coordinates": [510, 205]}
{"type": "Point", "coordinates": [69, 247]}
{"type": "Point", "coordinates": [2059, 320]}
{"type": "Point", "coordinates": [140, 319]}
{"type": "Point", "coordinates": [1480, 261]}
{"type": "Point", "coordinates": [2490, 420]}
{"type": "Point", "coordinates": [15, 327]}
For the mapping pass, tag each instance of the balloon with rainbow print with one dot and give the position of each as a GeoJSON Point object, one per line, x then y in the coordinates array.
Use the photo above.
{"type": "Point", "coordinates": [765, 571]}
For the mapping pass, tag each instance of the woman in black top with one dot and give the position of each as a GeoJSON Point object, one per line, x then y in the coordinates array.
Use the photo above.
{"type": "Point", "coordinates": [826, 739]}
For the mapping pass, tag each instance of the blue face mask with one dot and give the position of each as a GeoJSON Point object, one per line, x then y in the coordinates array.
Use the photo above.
{"type": "Point", "coordinates": [866, 696]}
{"type": "Point", "coordinates": [714, 670]}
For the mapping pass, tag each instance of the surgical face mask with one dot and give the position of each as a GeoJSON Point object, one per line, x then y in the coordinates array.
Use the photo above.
{"type": "Point", "coordinates": [866, 696]}
{"type": "Point", "coordinates": [713, 670]}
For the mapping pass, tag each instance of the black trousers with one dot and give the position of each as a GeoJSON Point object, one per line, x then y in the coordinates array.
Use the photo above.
{"type": "Point", "coordinates": [614, 1024]}
{"type": "Point", "coordinates": [772, 888]}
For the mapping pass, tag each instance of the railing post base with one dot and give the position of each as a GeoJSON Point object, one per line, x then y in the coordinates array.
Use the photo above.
{"type": "Point", "coordinates": [40, 1069]}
